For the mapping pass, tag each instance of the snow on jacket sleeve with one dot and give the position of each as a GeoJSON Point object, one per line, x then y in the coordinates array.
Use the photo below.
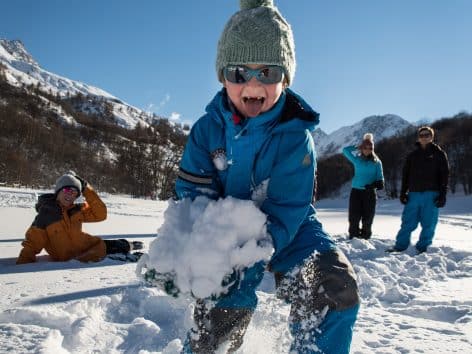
{"type": "Point", "coordinates": [290, 188]}
{"type": "Point", "coordinates": [197, 175]}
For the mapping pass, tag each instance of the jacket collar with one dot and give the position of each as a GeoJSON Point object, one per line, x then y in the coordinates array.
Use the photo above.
{"type": "Point", "coordinates": [49, 201]}
{"type": "Point", "coordinates": [291, 112]}
{"type": "Point", "coordinates": [429, 147]}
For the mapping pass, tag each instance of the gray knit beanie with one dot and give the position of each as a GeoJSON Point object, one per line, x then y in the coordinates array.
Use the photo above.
{"type": "Point", "coordinates": [67, 180]}
{"type": "Point", "coordinates": [257, 34]}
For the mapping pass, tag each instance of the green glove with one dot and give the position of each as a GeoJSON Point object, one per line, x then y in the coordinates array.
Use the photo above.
{"type": "Point", "coordinates": [164, 281]}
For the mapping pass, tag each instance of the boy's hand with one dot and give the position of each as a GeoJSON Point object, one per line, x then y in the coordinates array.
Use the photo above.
{"type": "Point", "coordinates": [265, 242]}
{"type": "Point", "coordinates": [164, 281]}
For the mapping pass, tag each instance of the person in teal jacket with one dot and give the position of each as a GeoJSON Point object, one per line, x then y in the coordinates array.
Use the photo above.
{"type": "Point", "coordinates": [256, 136]}
{"type": "Point", "coordinates": [368, 177]}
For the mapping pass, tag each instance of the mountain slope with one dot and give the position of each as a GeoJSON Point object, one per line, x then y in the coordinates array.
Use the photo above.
{"type": "Point", "coordinates": [21, 70]}
{"type": "Point", "coordinates": [382, 126]}
{"type": "Point", "coordinates": [51, 124]}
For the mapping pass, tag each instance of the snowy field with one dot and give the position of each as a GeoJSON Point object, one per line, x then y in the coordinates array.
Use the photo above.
{"type": "Point", "coordinates": [410, 304]}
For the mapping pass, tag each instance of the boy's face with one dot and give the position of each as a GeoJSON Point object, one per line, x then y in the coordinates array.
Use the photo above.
{"type": "Point", "coordinates": [253, 97]}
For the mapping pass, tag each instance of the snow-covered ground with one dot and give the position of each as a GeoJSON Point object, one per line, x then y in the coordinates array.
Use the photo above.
{"type": "Point", "coordinates": [410, 304]}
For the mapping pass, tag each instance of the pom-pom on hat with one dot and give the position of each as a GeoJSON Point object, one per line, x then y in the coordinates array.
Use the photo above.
{"type": "Point", "coordinates": [257, 34]}
{"type": "Point", "coordinates": [67, 180]}
{"type": "Point", "coordinates": [368, 140]}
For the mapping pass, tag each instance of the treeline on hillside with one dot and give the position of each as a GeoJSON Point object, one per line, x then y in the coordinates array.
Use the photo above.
{"type": "Point", "coordinates": [37, 145]}
{"type": "Point", "coordinates": [454, 135]}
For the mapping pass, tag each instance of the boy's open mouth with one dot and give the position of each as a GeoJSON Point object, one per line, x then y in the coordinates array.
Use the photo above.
{"type": "Point", "coordinates": [253, 105]}
{"type": "Point", "coordinates": [251, 99]}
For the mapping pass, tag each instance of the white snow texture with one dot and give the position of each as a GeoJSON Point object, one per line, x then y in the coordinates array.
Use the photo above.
{"type": "Point", "coordinates": [410, 304]}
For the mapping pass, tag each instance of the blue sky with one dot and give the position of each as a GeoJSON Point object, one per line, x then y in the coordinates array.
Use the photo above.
{"type": "Point", "coordinates": [354, 58]}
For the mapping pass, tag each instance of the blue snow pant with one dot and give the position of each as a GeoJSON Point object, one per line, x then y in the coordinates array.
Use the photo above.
{"type": "Point", "coordinates": [324, 303]}
{"type": "Point", "coordinates": [332, 336]}
{"type": "Point", "coordinates": [420, 208]}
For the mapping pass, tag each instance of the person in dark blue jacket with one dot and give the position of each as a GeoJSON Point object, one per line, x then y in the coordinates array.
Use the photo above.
{"type": "Point", "coordinates": [424, 187]}
{"type": "Point", "coordinates": [256, 135]}
{"type": "Point", "coordinates": [368, 177]}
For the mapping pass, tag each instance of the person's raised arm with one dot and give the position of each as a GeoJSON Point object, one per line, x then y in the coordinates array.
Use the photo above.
{"type": "Point", "coordinates": [348, 153]}
{"type": "Point", "coordinates": [94, 209]}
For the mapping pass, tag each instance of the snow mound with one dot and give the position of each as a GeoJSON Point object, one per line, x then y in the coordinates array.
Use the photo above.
{"type": "Point", "coordinates": [408, 296]}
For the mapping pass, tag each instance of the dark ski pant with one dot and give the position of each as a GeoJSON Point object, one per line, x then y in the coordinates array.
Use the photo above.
{"type": "Point", "coordinates": [117, 246]}
{"type": "Point", "coordinates": [420, 208]}
{"type": "Point", "coordinates": [362, 204]}
{"type": "Point", "coordinates": [324, 303]}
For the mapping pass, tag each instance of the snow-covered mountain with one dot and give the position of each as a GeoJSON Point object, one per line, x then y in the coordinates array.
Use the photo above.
{"type": "Point", "coordinates": [21, 70]}
{"type": "Point", "coordinates": [382, 127]}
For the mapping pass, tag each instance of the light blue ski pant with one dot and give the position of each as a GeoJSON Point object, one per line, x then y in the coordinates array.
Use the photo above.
{"type": "Point", "coordinates": [332, 336]}
{"type": "Point", "coordinates": [420, 208]}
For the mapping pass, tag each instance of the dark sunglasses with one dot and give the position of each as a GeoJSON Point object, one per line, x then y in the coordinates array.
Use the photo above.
{"type": "Point", "coordinates": [240, 74]}
{"type": "Point", "coordinates": [367, 147]}
{"type": "Point", "coordinates": [424, 135]}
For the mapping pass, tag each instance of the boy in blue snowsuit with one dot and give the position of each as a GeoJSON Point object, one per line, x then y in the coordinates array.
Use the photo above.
{"type": "Point", "coordinates": [368, 177]}
{"type": "Point", "coordinates": [256, 136]}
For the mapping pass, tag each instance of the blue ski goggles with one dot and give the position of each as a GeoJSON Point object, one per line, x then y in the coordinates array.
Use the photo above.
{"type": "Point", "coordinates": [240, 74]}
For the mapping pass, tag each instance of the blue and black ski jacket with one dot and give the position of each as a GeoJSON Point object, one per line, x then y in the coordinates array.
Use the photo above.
{"type": "Point", "coordinates": [273, 153]}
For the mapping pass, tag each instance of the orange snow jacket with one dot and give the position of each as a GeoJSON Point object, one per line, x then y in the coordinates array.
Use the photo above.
{"type": "Point", "coordinates": [59, 230]}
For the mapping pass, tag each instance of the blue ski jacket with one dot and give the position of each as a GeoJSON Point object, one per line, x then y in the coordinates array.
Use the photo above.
{"type": "Point", "coordinates": [365, 171]}
{"type": "Point", "coordinates": [273, 153]}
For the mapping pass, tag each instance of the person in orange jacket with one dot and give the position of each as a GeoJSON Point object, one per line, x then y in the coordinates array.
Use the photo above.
{"type": "Point", "coordinates": [57, 227]}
